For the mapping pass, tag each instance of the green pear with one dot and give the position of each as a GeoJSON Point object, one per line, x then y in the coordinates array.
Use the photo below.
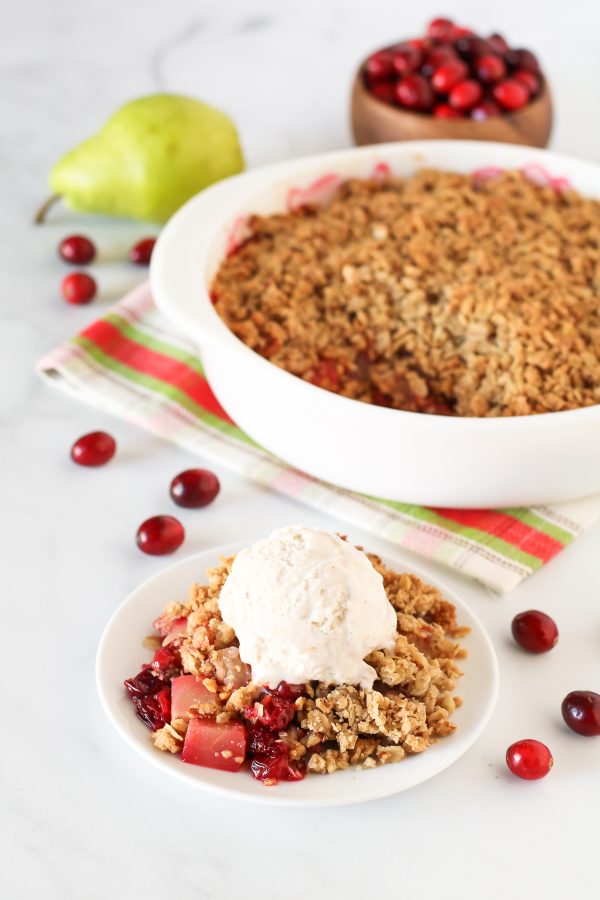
{"type": "Point", "coordinates": [150, 157]}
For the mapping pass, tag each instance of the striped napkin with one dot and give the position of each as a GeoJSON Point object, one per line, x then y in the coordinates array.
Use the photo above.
{"type": "Point", "coordinates": [134, 364]}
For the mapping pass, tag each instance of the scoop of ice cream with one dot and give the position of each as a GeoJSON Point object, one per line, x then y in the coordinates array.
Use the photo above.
{"type": "Point", "coordinates": [306, 605]}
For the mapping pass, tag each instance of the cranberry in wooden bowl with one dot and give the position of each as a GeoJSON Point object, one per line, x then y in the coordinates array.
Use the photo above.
{"type": "Point", "coordinates": [451, 83]}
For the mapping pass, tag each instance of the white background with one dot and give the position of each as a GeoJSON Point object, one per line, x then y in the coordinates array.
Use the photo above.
{"type": "Point", "coordinates": [82, 817]}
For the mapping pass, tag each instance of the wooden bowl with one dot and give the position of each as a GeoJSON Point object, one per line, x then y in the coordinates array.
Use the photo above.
{"type": "Point", "coordinates": [376, 122]}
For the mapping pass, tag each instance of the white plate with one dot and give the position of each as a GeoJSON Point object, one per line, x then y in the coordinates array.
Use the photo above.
{"type": "Point", "coordinates": [120, 654]}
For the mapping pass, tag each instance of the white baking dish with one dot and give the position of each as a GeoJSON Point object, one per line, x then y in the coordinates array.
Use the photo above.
{"type": "Point", "coordinates": [424, 459]}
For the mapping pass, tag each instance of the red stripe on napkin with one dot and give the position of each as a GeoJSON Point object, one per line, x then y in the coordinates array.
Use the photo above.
{"type": "Point", "coordinates": [511, 530]}
{"type": "Point", "coordinates": [150, 362]}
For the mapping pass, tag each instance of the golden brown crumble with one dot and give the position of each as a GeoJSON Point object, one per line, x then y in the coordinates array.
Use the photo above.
{"type": "Point", "coordinates": [440, 293]}
{"type": "Point", "coordinates": [411, 703]}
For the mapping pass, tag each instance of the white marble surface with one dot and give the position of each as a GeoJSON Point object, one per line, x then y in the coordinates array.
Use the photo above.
{"type": "Point", "coordinates": [82, 818]}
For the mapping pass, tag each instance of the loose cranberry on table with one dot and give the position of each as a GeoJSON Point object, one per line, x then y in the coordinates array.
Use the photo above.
{"type": "Point", "coordinates": [529, 759]}
{"type": "Point", "coordinates": [141, 253]}
{"type": "Point", "coordinates": [78, 288]}
{"type": "Point", "coordinates": [534, 631]}
{"type": "Point", "coordinates": [77, 249]}
{"type": "Point", "coordinates": [160, 535]}
{"type": "Point", "coordinates": [194, 488]}
{"type": "Point", "coordinates": [581, 712]}
{"type": "Point", "coordinates": [93, 449]}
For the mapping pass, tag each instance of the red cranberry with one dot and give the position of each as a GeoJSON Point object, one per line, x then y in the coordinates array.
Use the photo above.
{"type": "Point", "coordinates": [525, 59]}
{"type": "Point", "coordinates": [445, 111]}
{"type": "Point", "coordinates": [384, 91]}
{"type": "Point", "coordinates": [78, 288]}
{"type": "Point", "coordinates": [93, 449]}
{"type": "Point", "coordinates": [151, 698]}
{"type": "Point", "coordinates": [490, 68]}
{"type": "Point", "coordinates": [77, 249]}
{"type": "Point", "coordinates": [484, 110]}
{"type": "Point", "coordinates": [166, 662]}
{"type": "Point", "coordinates": [581, 712]}
{"type": "Point", "coordinates": [528, 80]}
{"type": "Point", "coordinates": [471, 46]}
{"type": "Point", "coordinates": [406, 60]}
{"type": "Point", "coordinates": [289, 691]}
{"type": "Point", "coordinates": [160, 535]}
{"type": "Point", "coordinates": [465, 95]}
{"type": "Point", "coordinates": [441, 29]}
{"type": "Point", "coordinates": [529, 759]}
{"type": "Point", "coordinates": [437, 57]}
{"type": "Point", "coordinates": [448, 75]}
{"type": "Point", "coordinates": [498, 43]}
{"type": "Point", "coordinates": [534, 631]}
{"type": "Point", "coordinates": [260, 738]}
{"type": "Point", "coordinates": [194, 488]}
{"type": "Point", "coordinates": [379, 66]}
{"type": "Point", "coordinates": [510, 94]}
{"type": "Point", "coordinates": [276, 765]}
{"type": "Point", "coordinates": [414, 92]}
{"type": "Point", "coordinates": [273, 711]}
{"type": "Point", "coordinates": [141, 252]}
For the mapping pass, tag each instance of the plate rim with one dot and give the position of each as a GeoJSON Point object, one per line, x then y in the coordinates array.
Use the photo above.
{"type": "Point", "coordinates": [270, 798]}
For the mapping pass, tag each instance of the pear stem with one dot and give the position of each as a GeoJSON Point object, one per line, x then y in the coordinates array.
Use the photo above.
{"type": "Point", "coordinates": [40, 215]}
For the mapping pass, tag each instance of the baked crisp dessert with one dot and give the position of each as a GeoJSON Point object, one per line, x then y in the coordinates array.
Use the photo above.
{"type": "Point", "coordinates": [440, 293]}
{"type": "Point", "coordinates": [199, 699]}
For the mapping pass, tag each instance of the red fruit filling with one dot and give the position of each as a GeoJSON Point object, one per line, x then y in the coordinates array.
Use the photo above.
{"type": "Point", "coordinates": [217, 746]}
{"type": "Point", "coordinates": [166, 662]}
{"type": "Point", "coordinates": [188, 692]}
{"type": "Point", "coordinates": [270, 756]}
{"type": "Point", "coordinates": [277, 765]}
{"type": "Point", "coordinates": [151, 698]}
{"type": "Point", "coordinates": [271, 710]}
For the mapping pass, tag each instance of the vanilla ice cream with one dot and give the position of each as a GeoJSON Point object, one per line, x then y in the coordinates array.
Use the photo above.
{"type": "Point", "coordinates": [306, 605]}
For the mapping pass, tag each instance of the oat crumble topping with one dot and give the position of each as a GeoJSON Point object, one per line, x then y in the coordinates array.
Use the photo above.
{"type": "Point", "coordinates": [440, 293]}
